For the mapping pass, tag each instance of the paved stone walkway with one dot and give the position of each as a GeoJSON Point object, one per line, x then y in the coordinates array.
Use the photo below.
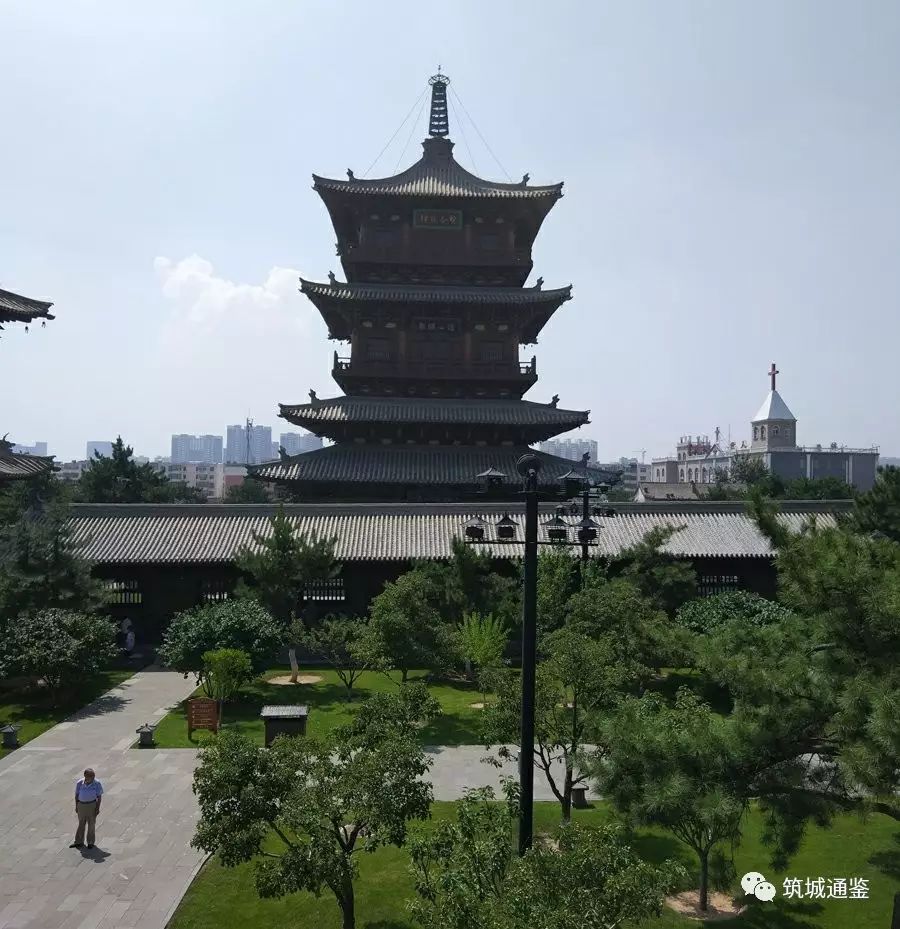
{"type": "Point", "coordinates": [143, 861]}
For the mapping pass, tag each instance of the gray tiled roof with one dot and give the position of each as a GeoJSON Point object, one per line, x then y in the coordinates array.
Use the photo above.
{"type": "Point", "coordinates": [23, 467]}
{"type": "Point", "coordinates": [425, 410]}
{"type": "Point", "coordinates": [408, 464]}
{"type": "Point", "coordinates": [417, 293]}
{"type": "Point", "coordinates": [437, 174]}
{"type": "Point", "coordinates": [14, 308]}
{"type": "Point", "coordinates": [167, 534]}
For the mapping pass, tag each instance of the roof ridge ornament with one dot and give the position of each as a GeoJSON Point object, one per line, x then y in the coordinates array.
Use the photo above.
{"type": "Point", "coordinates": [438, 120]}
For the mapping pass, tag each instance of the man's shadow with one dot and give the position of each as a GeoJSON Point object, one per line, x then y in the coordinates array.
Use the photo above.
{"type": "Point", "coordinates": [95, 854]}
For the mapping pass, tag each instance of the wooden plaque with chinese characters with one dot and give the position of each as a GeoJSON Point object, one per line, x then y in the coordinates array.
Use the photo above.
{"type": "Point", "coordinates": [437, 219]}
{"type": "Point", "coordinates": [202, 713]}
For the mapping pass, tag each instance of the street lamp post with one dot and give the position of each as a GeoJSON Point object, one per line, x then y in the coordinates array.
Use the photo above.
{"type": "Point", "coordinates": [571, 484]}
{"type": "Point", "coordinates": [528, 466]}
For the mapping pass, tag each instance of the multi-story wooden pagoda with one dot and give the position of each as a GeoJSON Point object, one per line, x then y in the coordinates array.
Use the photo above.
{"type": "Point", "coordinates": [14, 308]}
{"type": "Point", "coordinates": [434, 307]}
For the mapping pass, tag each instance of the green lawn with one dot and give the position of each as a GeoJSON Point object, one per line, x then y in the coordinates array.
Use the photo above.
{"type": "Point", "coordinates": [223, 898]}
{"type": "Point", "coordinates": [35, 714]}
{"type": "Point", "coordinates": [329, 707]}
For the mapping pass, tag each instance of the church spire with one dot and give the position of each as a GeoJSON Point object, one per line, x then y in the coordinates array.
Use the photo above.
{"type": "Point", "coordinates": [438, 122]}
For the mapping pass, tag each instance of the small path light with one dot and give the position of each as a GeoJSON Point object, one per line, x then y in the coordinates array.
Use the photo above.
{"type": "Point", "coordinates": [145, 735]}
{"type": "Point", "coordinates": [10, 735]}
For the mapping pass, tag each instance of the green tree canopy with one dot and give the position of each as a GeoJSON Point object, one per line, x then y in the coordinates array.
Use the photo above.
{"type": "Point", "coordinates": [878, 510]}
{"type": "Point", "coordinates": [405, 628]}
{"type": "Point", "coordinates": [242, 624]}
{"type": "Point", "coordinates": [225, 671]}
{"type": "Point", "coordinates": [40, 566]}
{"type": "Point", "coordinates": [278, 567]}
{"type": "Point", "coordinates": [578, 680]}
{"type": "Point", "coordinates": [120, 479]}
{"type": "Point", "coordinates": [679, 767]}
{"type": "Point", "coordinates": [466, 877]}
{"type": "Point", "coordinates": [327, 800]}
{"type": "Point", "coordinates": [249, 491]}
{"type": "Point", "coordinates": [706, 614]}
{"type": "Point", "coordinates": [336, 641]}
{"type": "Point", "coordinates": [660, 577]}
{"type": "Point", "coordinates": [60, 647]}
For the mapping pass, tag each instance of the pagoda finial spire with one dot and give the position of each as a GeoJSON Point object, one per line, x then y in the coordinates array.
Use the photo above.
{"type": "Point", "coordinates": [438, 122]}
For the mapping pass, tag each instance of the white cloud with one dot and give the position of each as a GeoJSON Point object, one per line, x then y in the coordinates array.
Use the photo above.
{"type": "Point", "coordinates": [206, 304]}
{"type": "Point", "coordinates": [228, 348]}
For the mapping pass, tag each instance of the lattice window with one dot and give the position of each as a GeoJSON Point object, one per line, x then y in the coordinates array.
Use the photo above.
{"type": "Point", "coordinates": [122, 592]}
{"type": "Point", "coordinates": [329, 589]}
{"type": "Point", "coordinates": [215, 590]}
{"type": "Point", "coordinates": [709, 584]}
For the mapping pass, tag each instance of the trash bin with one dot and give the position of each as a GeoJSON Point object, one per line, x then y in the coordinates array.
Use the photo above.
{"type": "Point", "coordinates": [283, 720]}
{"type": "Point", "coordinates": [10, 735]}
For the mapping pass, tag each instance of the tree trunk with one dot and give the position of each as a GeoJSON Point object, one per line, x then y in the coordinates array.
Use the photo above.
{"type": "Point", "coordinates": [704, 880]}
{"type": "Point", "coordinates": [347, 905]}
{"type": "Point", "coordinates": [566, 802]}
{"type": "Point", "coordinates": [292, 657]}
{"type": "Point", "coordinates": [470, 671]}
{"type": "Point", "coordinates": [404, 674]}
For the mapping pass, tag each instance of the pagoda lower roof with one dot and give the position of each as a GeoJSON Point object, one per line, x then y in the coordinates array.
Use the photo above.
{"type": "Point", "coordinates": [449, 465]}
{"type": "Point", "coordinates": [23, 467]}
{"type": "Point", "coordinates": [318, 414]}
{"type": "Point", "coordinates": [436, 293]}
{"type": "Point", "coordinates": [14, 308]}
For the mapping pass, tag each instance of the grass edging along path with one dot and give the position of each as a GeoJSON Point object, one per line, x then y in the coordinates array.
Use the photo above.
{"type": "Point", "coordinates": [329, 707]}
{"type": "Point", "coordinates": [35, 714]}
{"type": "Point", "coordinates": [225, 898]}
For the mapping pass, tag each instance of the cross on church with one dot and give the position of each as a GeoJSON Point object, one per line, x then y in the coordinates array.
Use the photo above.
{"type": "Point", "coordinates": [772, 372]}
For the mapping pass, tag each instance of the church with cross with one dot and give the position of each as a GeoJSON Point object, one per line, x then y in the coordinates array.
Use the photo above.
{"type": "Point", "coordinates": [700, 460]}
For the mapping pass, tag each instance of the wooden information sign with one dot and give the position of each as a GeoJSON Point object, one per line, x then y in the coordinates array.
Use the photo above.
{"type": "Point", "coordinates": [202, 713]}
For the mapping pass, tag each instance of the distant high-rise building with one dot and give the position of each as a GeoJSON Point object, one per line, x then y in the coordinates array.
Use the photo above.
{"type": "Point", "coordinates": [296, 443]}
{"type": "Point", "coordinates": [101, 448]}
{"type": "Point", "coordinates": [201, 449]}
{"type": "Point", "coordinates": [39, 449]}
{"type": "Point", "coordinates": [260, 445]}
{"type": "Point", "coordinates": [573, 449]}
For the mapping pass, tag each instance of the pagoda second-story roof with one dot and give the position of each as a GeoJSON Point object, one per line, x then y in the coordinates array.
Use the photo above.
{"type": "Point", "coordinates": [337, 301]}
{"type": "Point", "coordinates": [14, 308]}
{"type": "Point", "coordinates": [434, 293]}
{"type": "Point", "coordinates": [437, 174]}
{"type": "Point", "coordinates": [15, 467]}
{"type": "Point", "coordinates": [319, 415]}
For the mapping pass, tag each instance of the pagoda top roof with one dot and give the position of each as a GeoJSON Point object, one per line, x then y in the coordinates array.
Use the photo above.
{"type": "Point", "coordinates": [437, 174]}
{"type": "Point", "coordinates": [14, 308]}
{"type": "Point", "coordinates": [434, 293]}
{"type": "Point", "coordinates": [438, 411]}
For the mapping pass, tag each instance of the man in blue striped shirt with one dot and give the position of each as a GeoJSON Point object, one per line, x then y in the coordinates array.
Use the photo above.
{"type": "Point", "coordinates": [88, 792]}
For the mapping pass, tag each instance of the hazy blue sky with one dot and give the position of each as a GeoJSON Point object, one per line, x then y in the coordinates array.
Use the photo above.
{"type": "Point", "coordinates": [732, 197]}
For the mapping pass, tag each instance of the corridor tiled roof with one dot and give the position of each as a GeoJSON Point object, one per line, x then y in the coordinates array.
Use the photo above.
{"type": "Point", "coordinates": [426, 410]}
{"type": "Point", "coordinates": [23, 467]}
{"type": "Point", "coordinates": [14, 308]}
{"type": "Point", "coordinates": [437, 293]}
{"type": "Point", "coordinates": [408, 464]}
{"type": "Point", "coordinates": [213, 533]}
